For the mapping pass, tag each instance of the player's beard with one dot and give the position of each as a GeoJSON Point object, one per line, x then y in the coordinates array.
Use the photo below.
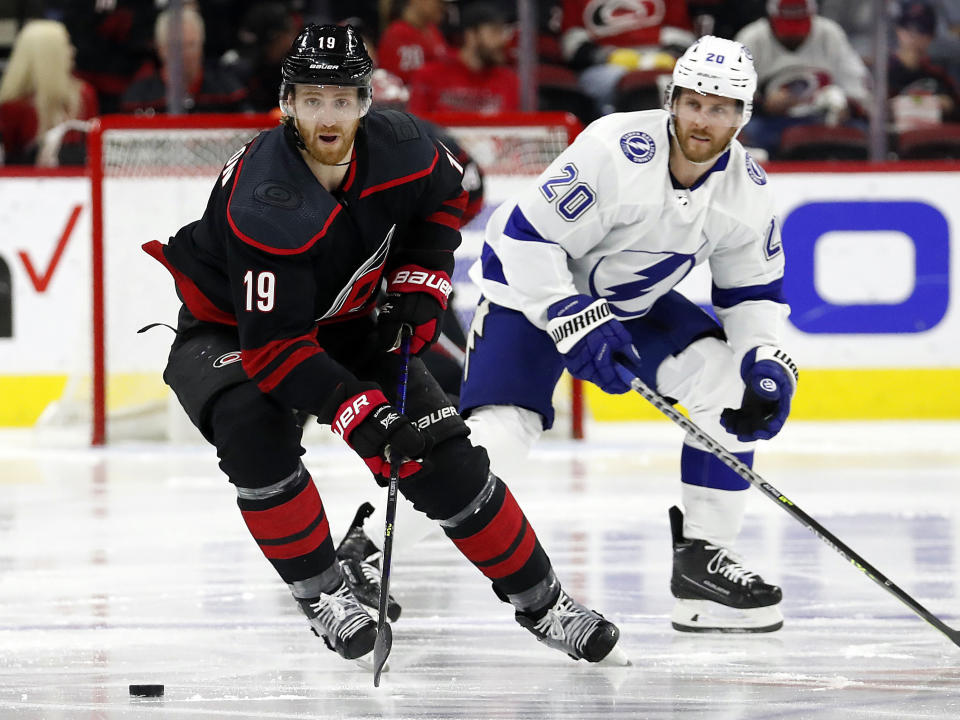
{"type": "Point", "coordinates": [697, 151]}
{"type": "Point", "coordinates": [490, 57]}
{"type": "Point", "coordinates": [331, 153]}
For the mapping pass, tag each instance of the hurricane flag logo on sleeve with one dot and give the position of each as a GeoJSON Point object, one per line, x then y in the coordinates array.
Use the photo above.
{"type": "Point", "coordinates": [756, 173]}
{"type": "Point", "coordinates": [638, 147]}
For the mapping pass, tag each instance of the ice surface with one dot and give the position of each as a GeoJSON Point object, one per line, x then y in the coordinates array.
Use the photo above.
{"type": "Point", "coordinates": [132, 565]}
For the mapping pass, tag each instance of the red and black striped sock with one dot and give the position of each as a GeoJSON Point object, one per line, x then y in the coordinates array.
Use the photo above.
{"type": "Point", "coordinates": [494, 534]}
{"type": "Point", "coordinates": [292, 531]}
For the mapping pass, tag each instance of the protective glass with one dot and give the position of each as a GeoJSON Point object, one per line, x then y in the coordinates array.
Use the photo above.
{"type": "Point", "coordinates": [708, 110]}
{"type": "Point", "coordinates": [328, 104]}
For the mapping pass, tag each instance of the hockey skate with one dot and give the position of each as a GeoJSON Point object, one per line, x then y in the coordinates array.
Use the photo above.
{"type": "Point", "coordinates": [715, 592]}
{"type": "Point", "coordinates": [344, 624]}
{"type": "Point", "coordinates": [576, 630]}
{"type": "Point", "coordinates": [359, 560]}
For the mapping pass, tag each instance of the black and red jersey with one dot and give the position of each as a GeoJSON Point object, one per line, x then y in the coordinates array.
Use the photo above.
{"type": "Point", "coordinates": [287, 261]}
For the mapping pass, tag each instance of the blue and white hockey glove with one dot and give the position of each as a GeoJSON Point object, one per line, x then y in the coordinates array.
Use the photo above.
{"type": "Point", "coordinates": [771, 379]}
{"type": "Point", "coordinates": [588, 336]}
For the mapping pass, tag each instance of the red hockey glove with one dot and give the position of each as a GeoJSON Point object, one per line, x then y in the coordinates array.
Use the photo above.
{"type": "Point", "coordinates": [416, 297]}
{"type": "Point", "coordinates": [375, 429]}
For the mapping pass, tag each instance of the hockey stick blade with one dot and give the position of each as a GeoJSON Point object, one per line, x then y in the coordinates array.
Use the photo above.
{"type": "Point", "coordinates": [735, 464]}
{"type": "Point", "coordinates": [384, 641]}
{"type": "Point", "coordinates": [381, 650]}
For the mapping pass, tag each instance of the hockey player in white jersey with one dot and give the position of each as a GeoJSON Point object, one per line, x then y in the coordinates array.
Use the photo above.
{"type": "Point", "coordinates": [579, 273]}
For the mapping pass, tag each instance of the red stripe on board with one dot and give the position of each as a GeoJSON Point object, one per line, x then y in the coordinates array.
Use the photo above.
{"type": "Point", "coordinates": [497, 537]}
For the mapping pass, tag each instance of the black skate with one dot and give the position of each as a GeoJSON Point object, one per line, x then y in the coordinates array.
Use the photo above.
{"type": "Point", "coordinates": [715, 592]}
{"type": "Point", "coordinates": [343, 623]}
{"type": "Point", "coordinates": [359, 561]}
{"type": "Point", "coordinates": [578, 631]}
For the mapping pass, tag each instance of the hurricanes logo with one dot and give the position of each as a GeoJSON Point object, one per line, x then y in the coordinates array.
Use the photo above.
{"type": "Point", "coordinates": [638, 147]}
{"type": "Point", "coordinates": [227, 359]}
{"type": "Point", "coordinates": [613, 17]}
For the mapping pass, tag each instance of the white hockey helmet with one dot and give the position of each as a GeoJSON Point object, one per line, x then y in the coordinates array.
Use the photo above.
{"type": "Point", "coordinates": [716, 66]}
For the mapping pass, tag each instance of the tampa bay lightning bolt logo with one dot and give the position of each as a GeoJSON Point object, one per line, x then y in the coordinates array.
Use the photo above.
{"type": "Point", "coordinates": [631, 281]}
{"type": "Point", "coordinates": [756, 173]}
{"type": "Point", "coordinates": [638, 147]}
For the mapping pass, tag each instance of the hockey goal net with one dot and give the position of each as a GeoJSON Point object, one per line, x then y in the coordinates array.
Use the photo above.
{"type": "Point", "coordinates": [150, 176]}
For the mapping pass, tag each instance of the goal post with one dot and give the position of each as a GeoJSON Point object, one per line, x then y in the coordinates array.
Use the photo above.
{"type": "Point", "coordinates": [141, 149]}
{"type": "Point", "coordinates": [150, 175]}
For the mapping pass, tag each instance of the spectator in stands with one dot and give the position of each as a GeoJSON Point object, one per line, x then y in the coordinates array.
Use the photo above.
{"type": "Point", "coordinates": [43, 106]}
{"type": "Point", "coordinates": [808, 73]}
{"type": "Point", "coordinates": [13, 15]}
{"type": "Point", "coordinates": [114, 40]}
{"type": "Point", "coordinates": [945, 48]}
{"type": "Point", "coordinates": [476, 78]}
{"type": "Point", "coordinates": [266, 34]}
{"type": "Point", "coordinates": [856, 19]}
{"type": "Point", "coordinates": [207, 86]}
{"type": "Point", "coordinates": [413, 39]}
{"type": "Point", "coordinates": [921, 92]}
{"type": "Point", "coordinates": [605, 39]}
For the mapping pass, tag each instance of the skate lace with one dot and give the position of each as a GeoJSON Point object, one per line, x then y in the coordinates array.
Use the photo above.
{"type": "Point", "coordinates": [568, 622]}
{"type": "Point", "coordinates": [729, 566]}
{"type": "Point", "coordinates": [339, 612]}
{"type": "Point", "coordinates": [370, 567]}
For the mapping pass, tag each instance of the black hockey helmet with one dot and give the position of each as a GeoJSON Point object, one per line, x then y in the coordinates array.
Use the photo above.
{"type": "Point", "coordinates": [328, 55]}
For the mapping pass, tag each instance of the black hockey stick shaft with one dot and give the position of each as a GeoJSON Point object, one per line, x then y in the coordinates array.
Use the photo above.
{"type": "Point", "coordinates": [735, 464]}
{"type": "Point", "coordinates": [384, 641]}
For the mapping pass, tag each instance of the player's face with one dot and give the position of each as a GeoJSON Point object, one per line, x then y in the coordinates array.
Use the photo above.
{"type": "Point", "coordinates": [705, 124]}
{"type": "Point", "coordinates": [327, 117]}
{"type": "Point", "coordinates": [491, 43]}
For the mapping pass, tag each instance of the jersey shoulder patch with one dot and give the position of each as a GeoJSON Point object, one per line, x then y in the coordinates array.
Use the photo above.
{"type": "Point", "coordinates": [754, 171]}
{"type": "Point", "coordinates": [399, 150]}
{"type": "Point", "coordinates": [275, 203]}
{"type": "Point", "coordinates": [638, 146]}
{"type": "Point", "coordinates": [402, 124]}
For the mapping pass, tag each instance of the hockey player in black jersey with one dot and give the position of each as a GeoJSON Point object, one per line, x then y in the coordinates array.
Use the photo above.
{"type": "Point", "coordinates": [322, 238]}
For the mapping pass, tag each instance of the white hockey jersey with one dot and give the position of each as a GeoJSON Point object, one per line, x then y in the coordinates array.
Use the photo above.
{"type": "Point", "coordinates": [605, 220]}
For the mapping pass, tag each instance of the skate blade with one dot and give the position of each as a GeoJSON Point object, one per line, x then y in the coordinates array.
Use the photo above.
{"type": "Point", "coordinates": [616, 658]}
{"type": "Point", "coordinates": [704, 616]}
{"type": "Point", "coordinates": [365, 662]}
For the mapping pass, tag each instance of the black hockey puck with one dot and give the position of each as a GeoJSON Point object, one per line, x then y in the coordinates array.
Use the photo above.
{"type": "Point", "coordinates": [146, 690]}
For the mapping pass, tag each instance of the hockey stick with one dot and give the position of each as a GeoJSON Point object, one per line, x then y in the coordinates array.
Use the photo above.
{"type": "Point", "coordinates": [381, 648]}
{"type": "Point", "coordinates": [735, 464]}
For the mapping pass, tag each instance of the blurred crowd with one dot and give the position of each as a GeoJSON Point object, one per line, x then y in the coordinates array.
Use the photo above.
{"type": "Point", "coordinates": [64, 62]}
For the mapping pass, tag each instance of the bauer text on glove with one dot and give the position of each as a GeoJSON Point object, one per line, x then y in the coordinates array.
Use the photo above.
{"type": "Point", "coordinates": [416, 297]}
{"type": "Point", "coordinates": [370, 425]}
